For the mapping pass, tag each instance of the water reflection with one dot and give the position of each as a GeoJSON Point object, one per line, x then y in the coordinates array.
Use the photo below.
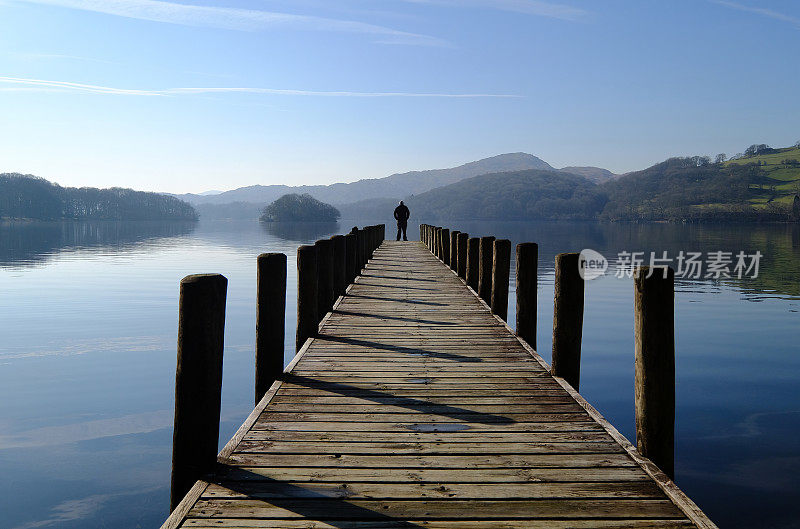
{"type": "Point", "coordinates": [300, 231]}
{"type": "Point", "coordinates": [25, 244]}
{"type": "Point", "coordinates": [778, 243]}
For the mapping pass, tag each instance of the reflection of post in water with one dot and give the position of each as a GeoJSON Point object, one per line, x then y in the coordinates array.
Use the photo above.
{"type": "Point", "coordinates": [300, 231]}
{"type": "Point", "coordinates": [796, 236]}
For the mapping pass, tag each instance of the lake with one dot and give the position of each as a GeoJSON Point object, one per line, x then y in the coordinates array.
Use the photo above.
{"type": "Point", "coordinates": [88, 326]}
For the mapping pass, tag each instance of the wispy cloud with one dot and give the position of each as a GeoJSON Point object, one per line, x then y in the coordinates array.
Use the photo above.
{"type": "Point", "coordinates": [41, 84]}
{"type": "Point", "coordinates": [239, 19]}
{"type": "Point", "coordinates": [764, 12]}
{"type": "Point", "coordinates": [55, 57]}
{"type": "Point", "coordinates": [527, 7]}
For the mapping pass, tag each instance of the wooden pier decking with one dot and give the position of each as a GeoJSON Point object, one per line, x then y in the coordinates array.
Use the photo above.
{"type": "Point", "coordinates": [416, 407]}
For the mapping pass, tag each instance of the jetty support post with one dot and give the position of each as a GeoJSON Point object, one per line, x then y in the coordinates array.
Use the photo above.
{"type": "Point", "coordinates": [324, 277]}
{"type": "Point", "coordinates": [567, 319]}
{"type": "Point", "coordinates": [307, 322]}
{"type": "Point", "coordinates": [198, 381]}
{"type": "Point", "coordinates": [339, 265]}
{"type": "Point", "coordinates": [486, 251]}
{"type": "Point", "coordinates": [454, 250]}
{"type": "Point", "coordinates": [654, 338]}
{"type": "Point", "coordinates": [527, 269]}
{"type": "Point", "coordinates": [270, 320]}
{"type": "Point", "coordinates": [461, 253]}
{"type": "Point", "coordinates": [350, 257]}
{"type": "Point", "coordinates": [445, 249]}
{"type": "Point", "coordinates": [473, 262]}
{"type": "Point", "coordinates": [437, 235]}
{"type": "Point", "coordinates": [501, 264]}
{"type": "Point", "coordinates": [362, 249]}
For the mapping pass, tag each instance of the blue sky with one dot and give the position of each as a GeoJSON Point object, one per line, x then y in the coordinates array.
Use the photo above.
{"type": "Point", "coordinates": [217, 94]}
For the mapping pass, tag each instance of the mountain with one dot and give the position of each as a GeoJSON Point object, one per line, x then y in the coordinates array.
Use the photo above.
{"type": "Point", "coordinates": [396, 185]}
{"type": "Point", "coordinates": [31, 197]}
{"type": "Point", "coordinates": [598, 175]}
{"type": "Point", "coordinates": [515, 195]}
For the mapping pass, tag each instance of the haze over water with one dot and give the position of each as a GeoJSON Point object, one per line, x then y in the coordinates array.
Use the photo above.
{"type": "Point", "coordinates": [87, 358]}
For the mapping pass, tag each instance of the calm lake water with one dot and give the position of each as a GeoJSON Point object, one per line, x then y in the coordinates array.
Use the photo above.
{"type": "Point", "coordinates": [88, 325]}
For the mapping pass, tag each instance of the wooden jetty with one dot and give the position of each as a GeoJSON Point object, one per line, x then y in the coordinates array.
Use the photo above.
{"type": "Point", "coordinates": [415, 406]}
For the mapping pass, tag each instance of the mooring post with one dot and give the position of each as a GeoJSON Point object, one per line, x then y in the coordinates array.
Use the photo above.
{"type": "Point", "coordinates": [307, 322]}
{"type": "Point", "coordinates": [454, 250]}
{"type": "Point", "coordinates": [527, 270]}
{"type": "Point", "coordinates": [473, 262]}
{"type": "Point", "coordinates": [270, 320]}
{"type": "Point", "coordinates": [362, 250]}
{"type": "Point", "coordinates": [654, 338]}
{"type": "Point", "coordinates": [486, 251]}
{"type": "Point", "coordinates": [501, 264]}
{"type": "Point", "coordinates": [324, 277]}
{"type": "Point", "coordinates": [437, 235]}
{"type": "Point", "coordinates": [350, 258]}
{"type": "Point", "coordinates": [461, 255]}
{"type": "Point", "coordinates": [339, 265]}
{"type": "Point", "coordinates": [567, 319]}
{"type": "Point", "coordinates": [198, 381]}
{"type": "Point", "coordinates": [445, 246]}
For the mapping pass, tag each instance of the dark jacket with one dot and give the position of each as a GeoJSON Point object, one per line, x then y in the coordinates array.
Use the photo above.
{"type": "Point", "coordinates": [401, 213]}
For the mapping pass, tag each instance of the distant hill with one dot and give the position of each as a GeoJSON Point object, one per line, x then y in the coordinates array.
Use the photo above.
{"type": "Point", "coordinates": [598, 175]}
{"type": "Point", "coordinates": [396, 185]}
{"type": "Point", "coordinates": [31, 197]}
{"type": "Point", "coordinates": [755, 188]}
{"type": "Point", "coordinates": [515, 195]}
{"type": "Point", "coordinates": [299, 208]}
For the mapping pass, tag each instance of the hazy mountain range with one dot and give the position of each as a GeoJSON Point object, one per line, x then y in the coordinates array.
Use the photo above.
{"type": "Point", "coordinates": [396, 186]}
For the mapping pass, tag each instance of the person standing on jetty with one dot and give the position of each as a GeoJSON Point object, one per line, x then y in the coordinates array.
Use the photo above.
{"type": "Point", "coordinates": [401, 214]}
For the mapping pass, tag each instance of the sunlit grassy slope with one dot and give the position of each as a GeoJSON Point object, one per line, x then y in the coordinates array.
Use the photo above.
{"type": "Point", "coordinates": [782, 173]}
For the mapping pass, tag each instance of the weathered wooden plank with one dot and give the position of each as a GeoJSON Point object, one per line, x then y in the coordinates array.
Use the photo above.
{"type": "Point", "coordinates": [332, 509]}
{"type": "Point", "coordinates": [411, 490]}
{"type": "Point", "coordinates": [431, 461]}
{"type": "Point", "coordinates": [205, 523]}
{"type": "Point", "coordinates": [432, 475]}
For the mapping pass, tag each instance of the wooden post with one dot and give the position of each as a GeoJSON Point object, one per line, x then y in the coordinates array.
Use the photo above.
{"type": "Point", "coordinates": [461, 254]}
{"type": "Point", "coordinates": [324, 277]}
{"type": "Point", "coordinates": [270, 320]}
{"type": "Point", "coordinates": [350, 257]}
{"type": "Point", "coordinates": [501, 264]}
{"type": "Point", "coordinates": [486, 251]}
{"type": "Point", "coordinates": [437, 237]}
{"type": "Point", "coordinates": [454, 250]}
{"type": "Point", "coordinates": [445, 246]}
{"type": "Point", "coordinates": [198, 381]}
{"type": "Point", "coordinates": [362, 250]}
{"type": "Point", "coordinates": [527, 290]}
{"type": "Point", "coordinates": [655, 365]}
{"type": "Point", "coordinates": [567, 319]}
{"type": "Point", "coordinates": [473, 262]}
{"type": "Point", "coordinates": [339, 265]}
{"type": "Point", "coordinates": [307, 322]}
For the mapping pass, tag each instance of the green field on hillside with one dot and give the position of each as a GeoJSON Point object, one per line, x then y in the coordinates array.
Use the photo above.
{"type": "Point", "coordinates": [781, 172]}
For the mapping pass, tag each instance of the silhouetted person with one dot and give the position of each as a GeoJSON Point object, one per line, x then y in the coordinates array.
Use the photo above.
{"type": "Point", "coordinates": [401, 213]}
